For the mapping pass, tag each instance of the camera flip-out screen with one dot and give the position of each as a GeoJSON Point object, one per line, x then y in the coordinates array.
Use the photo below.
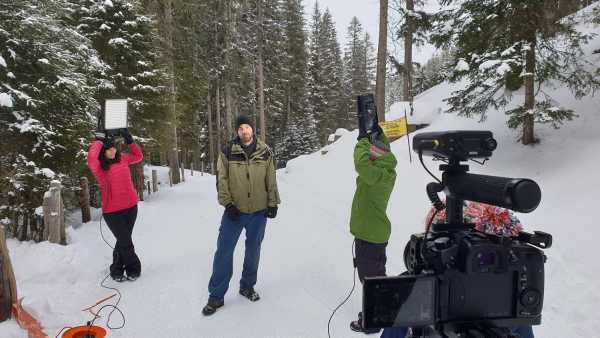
{"type": "Point", "coordinates": [115, 114]}
{"type": "Point", "coordinates": [403, 301]}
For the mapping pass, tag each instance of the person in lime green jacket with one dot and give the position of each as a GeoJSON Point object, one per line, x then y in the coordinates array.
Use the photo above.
{"type": "Point", "coordinates": [369, 224]}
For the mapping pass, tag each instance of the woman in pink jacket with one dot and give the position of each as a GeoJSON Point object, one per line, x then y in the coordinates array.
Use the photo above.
{"type": "Point", "coordinates": [119, 200]}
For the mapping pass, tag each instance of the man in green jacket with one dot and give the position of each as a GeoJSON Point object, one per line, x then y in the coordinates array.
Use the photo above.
{"type": "Point", "coordinates": [247, 188]}
{"type": "Point", "coordinates": [369, 224]}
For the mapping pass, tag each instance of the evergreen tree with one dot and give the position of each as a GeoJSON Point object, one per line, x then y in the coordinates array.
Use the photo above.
{"type": "Point", "coordinates": [300, 129]}
{"type": "Point", "coordinates": [276, 59]}
{"type": "Point", "coordinates": [359, 65]}
{"type": "Point", "coordinates": [506, 45]}
{"type": "Point", "coordinates": [124, 41]}
{"type": "Point", "coordinates": [325, 76]}
{"type": "Point", "coordinates": [315, 78]}
{"type": "Point", "coordinates": [47, 105]}
{"type": "Point", "coordinates": [335, 115]}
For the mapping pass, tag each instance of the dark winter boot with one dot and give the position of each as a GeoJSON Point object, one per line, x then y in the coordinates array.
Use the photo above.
{"type": "Point", "coordinates": [250, 294]}
{"type": "Point", "coordinates": [132, 277]}
{"type": "Point", "coordinates": [358, 327]}
{"type": "Point", "coordinates": [118, 278]}
{"type": "Point", "coordinates": [212, 306]}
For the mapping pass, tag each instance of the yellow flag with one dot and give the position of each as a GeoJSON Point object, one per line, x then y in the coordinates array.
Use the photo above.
{"type": "Point", "coordinates": [394, 129]}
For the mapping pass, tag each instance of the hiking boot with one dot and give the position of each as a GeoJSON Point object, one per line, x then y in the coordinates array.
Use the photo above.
{"type": "Point", "coordinates": [133, 277]}
{"type": "Point", "coordinates": [212, 306]}
{"type": "Point", "coordinates": [357, 326]}
{"type": "Point", "coordinates": [118, 278]}
{"type": "Point", "coordinates": [250, 294]}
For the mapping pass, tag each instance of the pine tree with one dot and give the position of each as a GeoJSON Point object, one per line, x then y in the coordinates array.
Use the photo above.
{"type": "Point", "coordinates": [315, 78]}
{"type": "Point", "coordinates": [300, 136]}
{"type": "Point", "coordinates": [47, 86]}
{"type": "Point", "coordinates": [325, 71]}
{"type": "Point", "coordinates": [276, 67]}
{"type": "Point", "coordinates": [370, 63]}
{"type": "Point", "coordinates": [414, 25]}
{"type": "Point", "coordinates": [359, 64]}
{"type": "Point", "coordinates": [124, 41]}
{"type": "Point", "coordinates": [335, 115]}
{"type": "Point", "coordinates": [503, 46]}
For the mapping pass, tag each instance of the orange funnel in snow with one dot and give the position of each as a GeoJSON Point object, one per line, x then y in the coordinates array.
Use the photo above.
{"type": "Point", "coordinates": [85, 332]}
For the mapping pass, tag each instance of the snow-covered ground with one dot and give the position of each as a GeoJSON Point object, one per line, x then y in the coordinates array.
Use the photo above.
{"type": "Point", "coordinates": [306, 267]}
{"type": "Point", "coordinates": [306, 263]}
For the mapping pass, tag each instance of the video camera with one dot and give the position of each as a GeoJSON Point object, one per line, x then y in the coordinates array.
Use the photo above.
{"type": "Point", "coordinates": [461, 282]}
{"type": "Point", "coordinates": [367, 116]}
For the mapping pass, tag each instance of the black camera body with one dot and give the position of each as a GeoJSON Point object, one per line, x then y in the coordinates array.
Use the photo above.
{"type": "Point", "coordinates": [367, 114]}
{"type": "Point", "coordinates": [481, 277]}
{"type": "Point", "coordinates": [461, 282]}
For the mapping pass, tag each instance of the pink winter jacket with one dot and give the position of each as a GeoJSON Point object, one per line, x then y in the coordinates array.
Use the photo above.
{"type": "Point", "coordinates": [116, 187]}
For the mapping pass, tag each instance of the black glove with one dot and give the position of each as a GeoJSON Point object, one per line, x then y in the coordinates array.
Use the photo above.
{"type": "Point", "coordinates": [361, 135]}
{"type": "Point", "coordinates": [107, 141]}
{"type": "Point", "coordinates": [232, 212]}
{"type": "Point", "coordinates": [271, 212]}
{"type": "Point", "coordinates": [374, 136]}
{"type": "Point", "coordinates": [126, 135]}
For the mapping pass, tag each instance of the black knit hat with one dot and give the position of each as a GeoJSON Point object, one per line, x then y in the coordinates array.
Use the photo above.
{"type": "Point", "coordinates": [243, 119]}
{"type": "Point", "coordinates": [108, 142]}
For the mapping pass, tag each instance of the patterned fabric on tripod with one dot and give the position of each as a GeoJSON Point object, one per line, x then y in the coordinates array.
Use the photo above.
{"type": "Point", "coordinates": [487, 218]}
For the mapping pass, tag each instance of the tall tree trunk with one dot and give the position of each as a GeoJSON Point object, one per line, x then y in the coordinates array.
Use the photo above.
{"type": "Point", "coordinates": [173, 156]}
{"type": "Point", "coordinates": [408, 42]}
{"type": "Point", "coordinates": [230, 70]}
{"type": "Point", "coordinates": [228, 113]}
{"type": "Point", "coordinates": [528, 135]}
{"type": "Point", "coordinates": [211, 143]}
{"type": "Point", "coordinates": [381, 59]}
{"type": "Point", "coordinates": [218, 120]}
{"type": "Point", "coordinates": [259, 74]}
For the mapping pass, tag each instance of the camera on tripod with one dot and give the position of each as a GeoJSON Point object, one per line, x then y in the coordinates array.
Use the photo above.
{"type": "Point", "coordinates": [462, 282]}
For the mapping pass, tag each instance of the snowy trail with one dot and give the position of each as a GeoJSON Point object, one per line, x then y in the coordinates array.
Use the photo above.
{"type": "Point", "coordinates": [306, 263]}
{"type": "Point", "coordinates": [306, 268]}
{"type": "Point", "coordinates": [175, 237]}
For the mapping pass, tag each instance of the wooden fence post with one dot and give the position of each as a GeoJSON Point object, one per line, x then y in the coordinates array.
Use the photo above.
{"type": "Point", "coordinates": [182, 173]}
{"type": "Point", "coordinates": [54, 214]}
{"type": "Point", "coordinates": [192, 169]}
{"type": "Point", "coordinates": [8, 285]}
{"type": "Point", "coordinates": [95, 196]}
{"type": "Point", "coordinates": [154, 181]}
{"type": "Point", "coordinates": [84, 200]}
{"type": "Point", "coordinates": [140, 183]}
{"type": "Point", "coordinates": [170, 178]}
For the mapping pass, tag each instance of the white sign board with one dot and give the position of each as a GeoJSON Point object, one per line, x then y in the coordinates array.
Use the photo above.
{"type": "Point", "coordinates": [115, 114]}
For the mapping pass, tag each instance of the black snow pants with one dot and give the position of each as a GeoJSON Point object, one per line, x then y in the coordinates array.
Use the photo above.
{"type": "Point", "coordinates": [125, 259]}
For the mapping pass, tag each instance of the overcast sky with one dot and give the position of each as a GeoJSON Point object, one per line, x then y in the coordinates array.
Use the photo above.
{"type": "Point", "coordinates": [367, 12]}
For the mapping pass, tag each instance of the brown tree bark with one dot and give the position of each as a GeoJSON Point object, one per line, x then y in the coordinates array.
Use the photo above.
{"type": "Point", "coordinates": [259, 73]}
{"type": "Point", "coordinates": [528, 133]}
{"type": "Point", "coordinates": [381, 60]}
{"type": "Point", "coordinates": [172, 151]}
{"type": "Point", "coordinates": [408, 42]}
{"type": "Point", "coordinates": [211, 145]}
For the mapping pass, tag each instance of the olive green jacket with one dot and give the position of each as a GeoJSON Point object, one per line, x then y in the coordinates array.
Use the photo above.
{"type": "Point", "coordinates": [247, 182]}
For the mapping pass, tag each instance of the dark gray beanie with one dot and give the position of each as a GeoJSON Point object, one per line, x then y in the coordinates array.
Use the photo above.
{"type": "Point", "coordinates": [243, 119]}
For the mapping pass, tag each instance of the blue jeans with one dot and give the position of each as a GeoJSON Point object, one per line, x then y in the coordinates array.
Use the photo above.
{"type": "Point", "coordinates": [229, 233]}
{"type": "Point", "coordinates": [401, 332]}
